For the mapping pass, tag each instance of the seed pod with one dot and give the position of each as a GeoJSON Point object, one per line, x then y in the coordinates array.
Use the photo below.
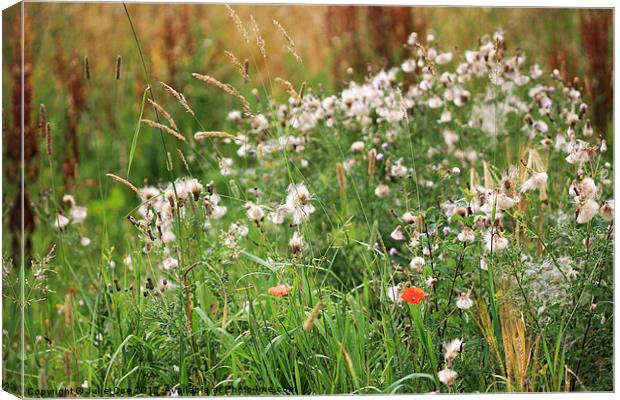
{"type": "Point", "coordinates": [48, 138]}
{"type": "Point", "coordinates": [68, 309]}
{"type": "Point", "coordinates": [87, 68]}
{"type": "Point", "coordinates": [118, 67]}
{"type": "Point", "coordinates": [246, 67]}
{"type": "Point", "coordinates": [42, 120]}
{"type": "Point", "coordinates": [462, 211]}
{"type": "Point", "coordinates": [68, 365]}
{"type": "Point", "coordinates": [372, 156]}
{"type": "Point", "coordinates": [342, 183]}
{"type": "Point", "coordinates": [313, 316]}
{"type": "Point", "coordinates": [582, 110]}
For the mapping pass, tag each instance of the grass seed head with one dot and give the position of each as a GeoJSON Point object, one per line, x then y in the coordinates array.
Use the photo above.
{"type": "Point", "coordinates": [86, 68]}
{"type": "Point", "coordinates": [163, 127]}
{"type": "Point", "coordinates": [124, 182]}
{"type": "Point", "coordinates": [260, 42]}
{"type": "Point", "coordinates": [290, 44]}
{"type": "Point", "coordinates": [312, 318]}
{"type": "Point", "coordinates": [179, 97]}
{"type": "Point", "coordinates": [238, 24]}
{"type": "Point", "coordinates": [242, 68]}
{"type": "Point", "coordinates": [164, 113]}
{"type": "Point", "coordinates": [118, 67]}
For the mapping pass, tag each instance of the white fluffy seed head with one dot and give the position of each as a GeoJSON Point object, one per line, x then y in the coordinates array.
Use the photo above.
{"type": "Point", "coordinates": [417, 263]}
{"type": "Point", "coordinates": [607, 211]}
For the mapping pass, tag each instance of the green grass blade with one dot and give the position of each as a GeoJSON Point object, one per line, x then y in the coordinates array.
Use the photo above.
{"type": "Point", "coordinates": [134, 140]}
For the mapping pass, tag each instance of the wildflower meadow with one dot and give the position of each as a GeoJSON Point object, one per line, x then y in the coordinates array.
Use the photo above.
{"type": "Point", "coordinates": [442, 221]}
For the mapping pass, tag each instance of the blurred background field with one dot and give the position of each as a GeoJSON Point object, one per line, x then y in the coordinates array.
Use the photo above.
{"type": "Point", "coordinates": [93, 120]}
{"type": "Point", "coordinates": [183, 38]}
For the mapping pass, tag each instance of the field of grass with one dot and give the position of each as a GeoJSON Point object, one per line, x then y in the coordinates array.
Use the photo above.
{"type": "Point", "coordinates": [210, 211]}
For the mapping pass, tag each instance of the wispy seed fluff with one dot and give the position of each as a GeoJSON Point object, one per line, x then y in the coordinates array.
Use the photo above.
{"type": "Point", "coordinates": [586, 188]}
{"type": "Point", "coordinates": [451, 350]}
{"type": "Point", "coordinates": [382, 191]}
{"type": "Point", "coordinates": [397, 233]}
{"type": "Point", "coordinates": [537, 180]}
{"type": "Point", "coordinates": [417, 263]}
{"type": "Point", "coordinates": [409, 218]}
{"type": "Point", "coordinates": [357, 147]}
{"type": "Point", "coordinates": [585, 192]}
{"type": "Point", "coordinates": [254, 211]}
{"type": "Point", "coordinates": [447, 376]}
{"type": "Point", "coordinates": [586, 210]}
{"type": "Point", "coordinates": [494, 242]}
{"type": "Point", "coordinates": [466, 235]}
{"type": "Point", "coordinates": [296, 243]}
{"type": "Point", "coordinates": [298, 200]}
{"type": "Point", "coordinates": [464, 302]}
{"type": "Point", "coordinates": [61, 221]}
{"type": "Point", "coordinates": [607, 210]}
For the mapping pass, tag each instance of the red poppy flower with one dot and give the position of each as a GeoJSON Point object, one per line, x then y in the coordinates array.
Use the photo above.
{"type": "Point", "coordinates": [280, 290]}
{"type": "Point", "coordinates": [413, 295]}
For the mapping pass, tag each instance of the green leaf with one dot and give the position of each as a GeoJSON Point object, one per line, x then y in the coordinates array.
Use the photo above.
{"type": "Point", "coordinates": [134, 141]}
{"type": "Point", "coordinates": [260, 261]}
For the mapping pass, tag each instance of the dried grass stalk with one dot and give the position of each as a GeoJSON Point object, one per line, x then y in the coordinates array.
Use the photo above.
{"type": "Point", "coordinates": [372, 157]}
{"type": "Point", "coordinates": [179, 97]}
{"type": "Point", "coordinates": [238, 24]}
{"type": "Point", "coordinates": [349, 362]}
{"type": "Point", "coordinates": [488, 179]}
{"type": "Point", "coordinates": [68, 309]}
{"type": "Point", "coordinates": [42, 120]}
{"type": "Point", "coordinates": [342, 183]}
{"type": "Point", "coordinates": [163, 127]}
{"type": "Point", "coordinates": [313, 316]}
{"type": "Point", "coordinates": [226, 87]}
{"type": "Point", "coordinates": [183, 160]}
{"type": "Point", "coordinates": [164, 113]}
{"type": "Point", "coordinates": [486, 327]}
{"type": "Point", "coordinates": [68, 366]}
{"type": "Point", "coordinates": [124, 182]}
{"type": "Point", "coordinates": [241, 68]}
{"type": "Point", "coordinates": [48, 139]}
{"type": "Point", "coordinates": [288, 86]}
{"type": "Point", "coordinates": [517, 348]}
{"type": "Point", "coordinates": [203, 134]}
{"type": "Point", "coordinates": [290, 45]}
{"type": "Point", "coordinates": [260, 42]}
